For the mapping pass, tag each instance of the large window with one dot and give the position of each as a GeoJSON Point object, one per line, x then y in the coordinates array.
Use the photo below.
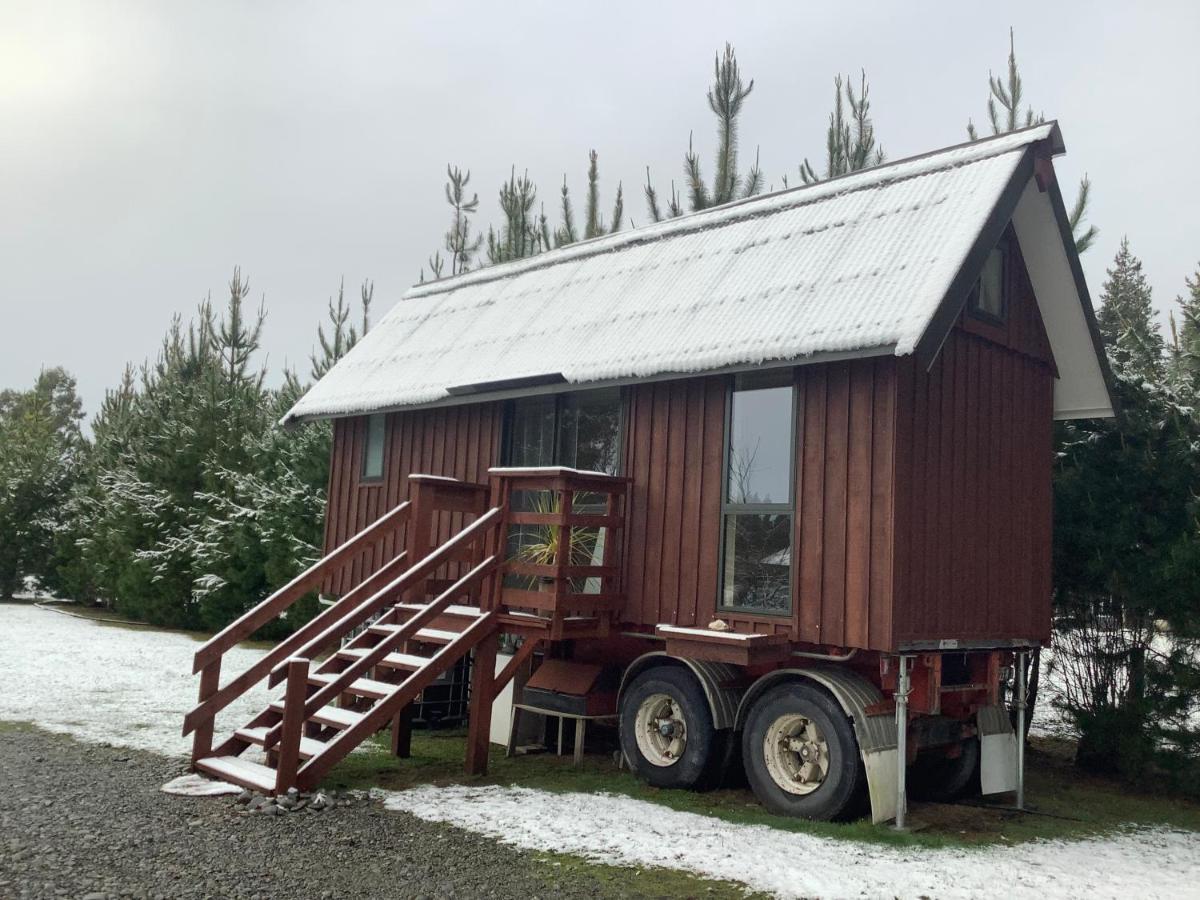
{"type": "Point", "coordinates": [757, 512]}
{"type": "Point", "coordinates": [580, 430]}
{"type": "Point", "coordinates": [372, 461]}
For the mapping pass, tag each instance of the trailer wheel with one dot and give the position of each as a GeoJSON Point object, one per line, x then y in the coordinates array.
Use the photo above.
{"type": "Point", "coordinates": [667, 729]}
{"type": "Point", "coordinates": [940, 779]}
{"type": "Point", "coordinates": [801, 755]}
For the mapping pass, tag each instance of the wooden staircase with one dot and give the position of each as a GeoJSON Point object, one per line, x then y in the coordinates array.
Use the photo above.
{"type": "Point", "coordinates": [413, 619]}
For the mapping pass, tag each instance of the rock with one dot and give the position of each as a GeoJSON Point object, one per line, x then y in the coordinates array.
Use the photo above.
{"type": "Point", "coordinates": [244, 797]}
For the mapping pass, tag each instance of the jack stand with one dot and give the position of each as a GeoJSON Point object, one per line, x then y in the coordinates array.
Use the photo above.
{"type": "Point", "coordinates": [902, 690]}
{"type": "Point", "coordinates": [1019, 702]}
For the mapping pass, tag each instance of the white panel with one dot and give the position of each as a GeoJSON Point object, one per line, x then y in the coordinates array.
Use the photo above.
{"type": "Point", "coordinates": [1080, 391]}
{"type": "Point", "coordinates": [998, 763]}
{"type": "Point", "coordinates": [881, 783]}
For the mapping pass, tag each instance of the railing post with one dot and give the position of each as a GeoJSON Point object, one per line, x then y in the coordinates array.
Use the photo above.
{"type": "Point", "coordinates": [202, 738]}
{"type": "Point", "coordinates": [419, 540]}
{"type": "Point", "coordinates": [483, 692]}
{"type": "Point", "coordinates": [293, 725]}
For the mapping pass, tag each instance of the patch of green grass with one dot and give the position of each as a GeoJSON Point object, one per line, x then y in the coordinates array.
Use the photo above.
{"type": "Point", "coordinates": [1066, 803]}
{"type": "Point", "coordinates": [668, 884]}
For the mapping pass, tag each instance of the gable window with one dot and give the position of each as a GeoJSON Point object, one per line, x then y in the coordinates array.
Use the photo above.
{"type": "Point", "coordinates": [757, 511]}
{"type": "Point", "coordinates": [989, 298]}
{"type": "Point", "coordinates": [372, 460]}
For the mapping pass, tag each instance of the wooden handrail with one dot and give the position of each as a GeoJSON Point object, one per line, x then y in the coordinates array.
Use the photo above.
{"type": "Point", "coordinates": [269, 609]}
{"type": "Point", "coordinates": [373, 656]}
{"type": "Point", "coordinates": [416, 573]}
{"type": "Point", "coordinates": [286, 648]}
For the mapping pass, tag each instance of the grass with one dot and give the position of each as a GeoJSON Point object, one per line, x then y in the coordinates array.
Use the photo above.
{"type": "Point", "coordinates": [1064, 802]}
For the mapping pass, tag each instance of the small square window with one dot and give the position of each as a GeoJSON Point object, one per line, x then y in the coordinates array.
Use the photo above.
{"type": "Point", "coordinates": [988, 298]}
{"type": "Point", "coordinates": [372, 463]}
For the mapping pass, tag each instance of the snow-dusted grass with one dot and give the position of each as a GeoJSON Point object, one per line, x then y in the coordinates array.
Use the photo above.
{"type": "Point", "coordinates": [106, 683]}
{"type": "Point", "coordinates": [624, 831]}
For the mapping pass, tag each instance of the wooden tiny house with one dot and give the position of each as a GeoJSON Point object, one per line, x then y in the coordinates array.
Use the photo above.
{"type": "Point", "coordinates": [785, 464]}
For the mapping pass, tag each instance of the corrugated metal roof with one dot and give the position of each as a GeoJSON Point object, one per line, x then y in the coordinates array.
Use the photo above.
{"type": "Point", "coordinates": [855, 264]}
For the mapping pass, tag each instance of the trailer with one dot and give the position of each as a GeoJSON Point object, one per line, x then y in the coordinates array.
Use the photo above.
{"type": "Point", "coordinates": [771, 483]}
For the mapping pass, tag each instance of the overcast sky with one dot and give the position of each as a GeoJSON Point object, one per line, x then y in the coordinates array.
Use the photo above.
{"type": "Point", "coordinates": [147, 148]}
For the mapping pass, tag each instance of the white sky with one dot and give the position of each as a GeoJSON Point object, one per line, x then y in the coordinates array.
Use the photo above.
{"type": "Point", "coordinates": [147, 148]}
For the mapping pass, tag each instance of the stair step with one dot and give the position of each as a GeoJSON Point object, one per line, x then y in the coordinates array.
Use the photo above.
{"type": "Point", "coordinates": [406, 661]}
{"type": "Point", "coordinates": [309, 747]}
{"type": "Point", "coordinates": [426, 635]}
{"type": "Point", "coordinates": [239, 771]}
{"type": "Point", "coordinates": [333, 716]}
{"type": "Point", "coordinates": [364, 687]}
{"type": "Point", "coordinates": [454, 609]}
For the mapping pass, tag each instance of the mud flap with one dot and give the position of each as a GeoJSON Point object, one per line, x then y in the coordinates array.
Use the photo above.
{"type": "Point", "coordinates": [876, 734]}
{"type": "Point", "coordinates": [997, 751]}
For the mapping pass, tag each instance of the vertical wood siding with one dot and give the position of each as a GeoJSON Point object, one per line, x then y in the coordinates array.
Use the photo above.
{"type": "Point", "coordinates": [676, 430]}
{"type": "Point", "coordinates": [457, 441]}
{"type": "Point", "coordinates": [845, 490]}
{"type": "Point", "coordinates": [973, 473]}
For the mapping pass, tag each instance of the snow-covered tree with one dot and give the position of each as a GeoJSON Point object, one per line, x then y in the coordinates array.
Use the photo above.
{"type": "Point", "coordinates": [849, 141]}
{"type": "Point", "coordinates": [593, 221]}
{"type": "Point", "coordinates": [1127, 319]}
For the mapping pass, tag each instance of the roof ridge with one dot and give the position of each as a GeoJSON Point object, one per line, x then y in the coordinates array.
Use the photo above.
{"type": "Point", "coordinates": [714, 216]}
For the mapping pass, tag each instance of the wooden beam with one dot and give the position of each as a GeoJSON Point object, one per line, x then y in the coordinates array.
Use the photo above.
{"type": "Point", "coordinates": [483, 680]}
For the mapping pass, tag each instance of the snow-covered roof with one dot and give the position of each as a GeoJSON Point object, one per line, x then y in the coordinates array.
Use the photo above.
{"type": "Point", "coordinates": [855, 265]}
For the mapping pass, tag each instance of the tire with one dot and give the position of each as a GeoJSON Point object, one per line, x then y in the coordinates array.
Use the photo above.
{"type": "Point", "coordinates": [682, 751]}
{"type": "Point", "coordinates": [801, 755]}
{"type": "Point", "coordinates": [939, 779]}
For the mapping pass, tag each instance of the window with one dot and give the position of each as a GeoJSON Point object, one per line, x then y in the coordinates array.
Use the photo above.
{"type": "Point", "coordinates": [757, 512]}
{"type": "Point", "coordinates": [372, 461]}
{"type": "Point", "coordinates": [580, 430]}
{"type": "Point", "coordinates": [989, 296]}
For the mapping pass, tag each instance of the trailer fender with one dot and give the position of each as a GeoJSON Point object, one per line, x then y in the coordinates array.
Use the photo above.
{"type": "Point", "coordinates": [718, 680]}
{"type": "Point", "coordinates": [876, 734]}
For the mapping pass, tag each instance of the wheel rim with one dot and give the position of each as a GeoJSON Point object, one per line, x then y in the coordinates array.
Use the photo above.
{"type": "Point", "coordinates": [661, 730]}
{"type": "Point", "coordinates": [796, 754]}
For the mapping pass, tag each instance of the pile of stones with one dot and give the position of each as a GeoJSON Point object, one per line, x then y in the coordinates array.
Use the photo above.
{"type": "Point", "coordinates": [295, 801]}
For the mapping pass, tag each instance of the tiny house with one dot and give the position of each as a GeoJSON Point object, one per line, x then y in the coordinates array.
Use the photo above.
{"type": "Point", "coordinates": [783, 467]}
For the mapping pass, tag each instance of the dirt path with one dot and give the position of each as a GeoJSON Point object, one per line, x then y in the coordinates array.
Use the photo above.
{"type": "Point", "coordinates": [88, 821]}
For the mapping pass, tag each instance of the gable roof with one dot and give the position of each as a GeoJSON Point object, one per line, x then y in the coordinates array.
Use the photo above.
{"type": "Point", "coordinates": [870, 263]}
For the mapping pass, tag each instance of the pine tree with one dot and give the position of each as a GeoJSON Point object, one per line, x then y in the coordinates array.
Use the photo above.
{"type": "Point", "coordinates": [849, 144]}
{"type": "Point", "coordinates": [593, 222]}
{"type": "Point", "coordinates": [1185, 342]}
{"type": "Point", "coordinates": [1127, 319]}
{"type": "Point", "coordinates": [523, 233]}
{"type": "Point", "coordinates": [342, 333]}
{"type": "Point", "coordinates": [1005, 115]}
{"type": "Point", "coordinates": [725, 99]}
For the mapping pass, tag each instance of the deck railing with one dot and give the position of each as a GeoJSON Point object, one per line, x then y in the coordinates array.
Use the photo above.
{"type": "Point", "coordinates": [565, 529]}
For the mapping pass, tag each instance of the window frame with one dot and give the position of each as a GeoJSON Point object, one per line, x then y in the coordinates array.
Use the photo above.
{"type": "Point", "coordinates": [560, 399]}
{"type": "Point", "coordinates": [363, 476]}
{"type": "Point", "coordinates": [730, 509]}
{"type": "Point", "coordinates": [973, 305]}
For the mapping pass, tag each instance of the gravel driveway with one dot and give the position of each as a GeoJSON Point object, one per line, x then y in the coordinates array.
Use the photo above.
{"type": "Point", "coordinates": [89, 821]}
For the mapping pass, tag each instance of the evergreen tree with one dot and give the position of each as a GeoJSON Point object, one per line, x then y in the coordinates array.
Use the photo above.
{"type": "Point", "coordinates": [524, 232]}
{"type": "Point", "coordinates": [1185, 343]}
{"type": "Point", "coordinates": [1005, 115]}
{"type": "Point", "coordinates": [593, 221]}
{"type": "Point", "coordinates": [342, 333]}
{"type": "Point", "coordinates": [40, 445]}
{"type": "Point", "coordinates": [1127, 319]}
{"type": "Point", "coordinates": [725, 99]}
{"type": "Point", "coordinates": [849, 143]}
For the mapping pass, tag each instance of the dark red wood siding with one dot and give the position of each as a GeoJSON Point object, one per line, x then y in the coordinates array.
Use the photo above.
{"type": "Point", "coordinates": [974, 497]}
{"type": "Point", "coordinates": [457, 441]}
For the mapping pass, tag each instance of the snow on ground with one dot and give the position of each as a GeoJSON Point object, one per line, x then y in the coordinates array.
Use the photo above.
{"type": "Point", "coordinates": [624, 831]}
{"type": "Point", "coordinates": [107, 684]}
{"type": "Point", "coordinates": [131, 687]}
